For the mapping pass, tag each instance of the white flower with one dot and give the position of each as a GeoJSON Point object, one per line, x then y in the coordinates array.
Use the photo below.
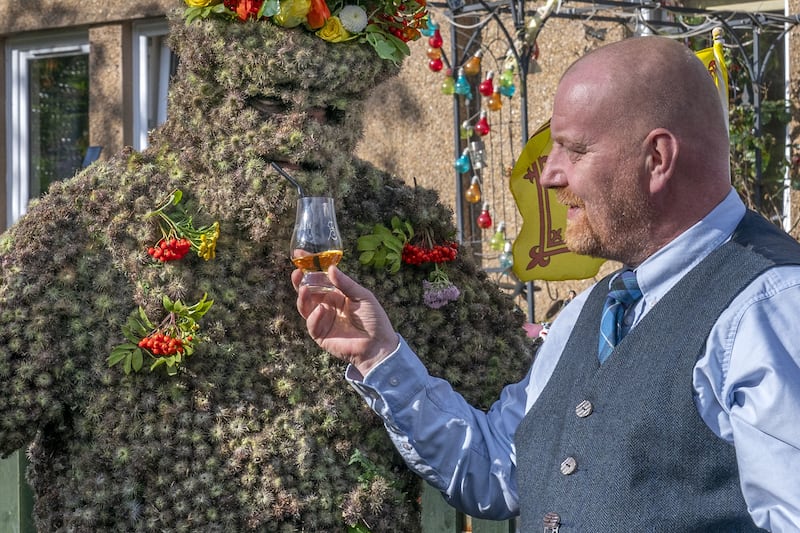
{"type": "Point", "coordinates": [353, 18]}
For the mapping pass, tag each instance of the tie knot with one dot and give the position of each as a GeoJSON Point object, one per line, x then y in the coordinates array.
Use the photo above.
{"type": "Point", "coordinates": [624, 288]}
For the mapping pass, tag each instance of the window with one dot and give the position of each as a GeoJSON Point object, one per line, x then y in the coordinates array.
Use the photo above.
{"type": "Point", "coordinates": [48, 110]}
{"type": "Point", "coordinates": [153, 65]}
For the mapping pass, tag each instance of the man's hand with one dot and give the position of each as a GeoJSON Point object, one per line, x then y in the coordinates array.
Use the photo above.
{"type": "Point", "coordinates": [347, 322]}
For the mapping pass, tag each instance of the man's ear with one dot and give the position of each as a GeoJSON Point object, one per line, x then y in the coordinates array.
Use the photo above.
{"type": "Point", "coordinates": [662, 157]}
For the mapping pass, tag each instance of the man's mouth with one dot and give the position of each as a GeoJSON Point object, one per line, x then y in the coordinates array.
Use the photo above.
{"type": "Point", "coordinates": [570, 201]}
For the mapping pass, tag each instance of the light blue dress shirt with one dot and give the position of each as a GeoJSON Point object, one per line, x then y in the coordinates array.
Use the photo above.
{"type": "Point", "coordinates": [746, 386]}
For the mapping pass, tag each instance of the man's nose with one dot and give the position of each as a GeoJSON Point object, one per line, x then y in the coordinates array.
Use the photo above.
{"type": "Point", "coordinates": [551, 177]}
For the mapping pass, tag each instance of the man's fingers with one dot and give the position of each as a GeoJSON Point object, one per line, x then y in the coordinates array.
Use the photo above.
{"type": "Point", "coordinates": [321, 321]}
{"type": "Point", "coordinates": [346, 285]}
{"type": "Point", "coordinates": [297, 277]}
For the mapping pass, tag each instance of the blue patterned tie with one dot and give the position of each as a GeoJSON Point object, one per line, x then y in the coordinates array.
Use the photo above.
{"type": "Point", "coordinates": [623, 291]}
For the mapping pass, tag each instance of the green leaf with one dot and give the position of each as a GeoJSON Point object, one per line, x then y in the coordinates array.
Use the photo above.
{"type": "Point", "coordinates": [177, 194]}
{"type": "Point", "coordinates": [383, 232]}
{"type": "Point", "coordinates": [402, 229]}
{"type": "Point", "coordinates": [368, 242]}
{"type": "Point", "coordinates": [127, 366]}
{"type": "Point", "coordinates": [269, 8]}
{"type": "Point", "coordinates": [380, 259]}
{"type": "Point", "coordinates": [394, 245]}
{"type": "Point", "coordinates": [119, 353]}
{"type": "Point", "coordinates": [130, 335]}
{"type": "Point", "coordinates": [179, 308]}
{"type": "Point", "coordinates": [409, 230]}
{"type": "Point", "coordinates": [387, 46]}
{"type": "Point", "coordinates": [167, 303]}
{"type": "Point", "coordinates": [137, 359]}
{"type": "Point", "coordinates": [220, 9]}
{"type": "Point", "coordinates": [366, 257]}
{"type": "Point", "coordinates": [191, 13]}
{"type": "Point", "coordinates": [146, 324]}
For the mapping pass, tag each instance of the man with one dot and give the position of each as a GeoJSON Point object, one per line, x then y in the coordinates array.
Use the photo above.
{"type": "Point", "coordinates": [690, 424]}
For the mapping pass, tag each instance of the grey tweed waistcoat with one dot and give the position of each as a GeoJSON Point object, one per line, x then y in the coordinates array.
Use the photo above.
{"type": "Point", "coordinates": [621, 447]}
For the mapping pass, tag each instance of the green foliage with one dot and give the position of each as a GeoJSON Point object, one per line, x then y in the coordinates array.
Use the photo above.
{"type": "Point", "coordinates": [383, 248]}
{"type": "Point", "coordinates": [758, 162]}
{"type": "Point", "coordinates": [385, 44]}
{"type": "Point", "coordinates": [181, 322]}
{"type": "Point", "coordinates": [758, 157]}
{"type": "Point", "coordinates": [193, 13]}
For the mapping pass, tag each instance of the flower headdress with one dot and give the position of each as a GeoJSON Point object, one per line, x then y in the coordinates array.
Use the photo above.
{"type": "Point", "coordinates": [387, 25]}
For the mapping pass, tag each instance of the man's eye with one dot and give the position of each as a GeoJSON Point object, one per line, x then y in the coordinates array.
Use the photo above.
{"type": "Point", "coordinates": [574, 154]}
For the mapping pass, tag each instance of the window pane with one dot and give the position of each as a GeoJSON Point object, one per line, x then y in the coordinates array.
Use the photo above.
{"type": "Point", "coordinates": [153, 66]}
{"type": "Point", "coordinates": [59, 118]}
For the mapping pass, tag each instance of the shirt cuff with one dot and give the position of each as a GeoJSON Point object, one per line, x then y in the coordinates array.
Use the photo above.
{"type": "Point", "coordinates": [391, 384]}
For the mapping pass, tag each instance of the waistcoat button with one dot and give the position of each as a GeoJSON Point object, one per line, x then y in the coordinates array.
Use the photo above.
{"type": "Point", "coordinates": [584, 409]}
{"type": "Point", "coordinates": [551, 522]}
{"type": "Point", "coordinates": [568, 466]}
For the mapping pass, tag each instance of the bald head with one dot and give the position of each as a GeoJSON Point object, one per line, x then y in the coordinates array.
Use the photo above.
{"type": "Point", "coordinates": [644, 83]}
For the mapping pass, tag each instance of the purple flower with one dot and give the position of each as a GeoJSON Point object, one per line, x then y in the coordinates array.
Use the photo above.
{"type": "Point", "coordinates": [439, 293]}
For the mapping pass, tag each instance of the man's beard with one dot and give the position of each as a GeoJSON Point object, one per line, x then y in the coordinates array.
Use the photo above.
{"type": "Point", "coordinates": [619, 233]}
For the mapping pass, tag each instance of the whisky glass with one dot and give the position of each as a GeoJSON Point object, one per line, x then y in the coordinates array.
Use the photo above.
{"type": "Point", "coordinates": [316, 243]}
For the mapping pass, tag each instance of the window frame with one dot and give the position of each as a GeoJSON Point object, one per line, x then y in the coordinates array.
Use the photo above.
{"type": "Point", "coordinates": [19, 51]}
{"type": "Point", "coordinates": [142, 79]}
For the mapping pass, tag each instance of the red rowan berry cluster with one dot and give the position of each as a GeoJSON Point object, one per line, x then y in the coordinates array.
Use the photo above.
{"type": "Point", "coordinates": [406, 21]}
{"type": "Point", "coordinates": [417, 255]}
{"type": "Point", "coordinates": [179, 234]}
{"type": "Point", "coordinates": [164, 345]}
{"type": "Point", "coordinates": [170, 249]}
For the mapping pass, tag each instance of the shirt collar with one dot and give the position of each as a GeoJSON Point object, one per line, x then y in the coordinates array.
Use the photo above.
{"type": "Point", "coordinates": [661, 271]}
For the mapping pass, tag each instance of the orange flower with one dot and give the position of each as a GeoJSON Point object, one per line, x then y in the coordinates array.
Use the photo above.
{"type": "Point", "coordinates": [318, 14]}
{"type": "Point", "coordinates": [248, 8]}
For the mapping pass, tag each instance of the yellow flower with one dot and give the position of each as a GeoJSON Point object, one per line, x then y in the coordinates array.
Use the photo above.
{"type": "Point", "coordinates": [208, 243]}
{"type": "Point", "coordinates": [202, 3]}
{"type": "Point", "coordinates": [333, 31]}
{"type": "Point", "coordinates": [292, 13]}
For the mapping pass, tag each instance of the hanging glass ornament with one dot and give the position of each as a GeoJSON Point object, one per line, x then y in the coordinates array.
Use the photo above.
{"type": "Point", "coordinates": [462, 85]}
{"type": "Point", "coordinates": [473, 65]}
{"type": "Point", "coordinates": [494, 102]}
{"type": "Point", "coordinates": [508, 90]}
{"type": "Point", "coordinates": [482, 126]}
{"type": "Point", "coordinates": [436, 65]}
{"type": "Point", "coordinates": [435, 40]}
{"type": "Point", "coordinates": [507, 87]}
{"type": "Point", "coordinates": [477, 154]}
{"type": "Point", "coordinates": [486, 88]}
{"type": "Point", "coordinates": [506, 259]}
{"type": "Point", "coordinates": [462, 163]}
{"type": "Point", "coordinates": [448, 84]}
{"type": "Point", "coordinates": [485, 219]}
{"type": "Point", "coordinates": [498, 240]}
{"type": "Point", "coordinates": [465, 131]}
{"type": "Point", "coordinates": [431, 28]}
{"type": "Point", "coordinates": [473, 194]}
{"type": "Point", "coordinates": [434, 53]}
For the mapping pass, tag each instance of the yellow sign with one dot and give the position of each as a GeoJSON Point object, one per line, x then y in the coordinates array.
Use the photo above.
{"type": "Point", "coordinates": [540, 251]}
{"type": "Point", "coordinates": [714, 60]}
